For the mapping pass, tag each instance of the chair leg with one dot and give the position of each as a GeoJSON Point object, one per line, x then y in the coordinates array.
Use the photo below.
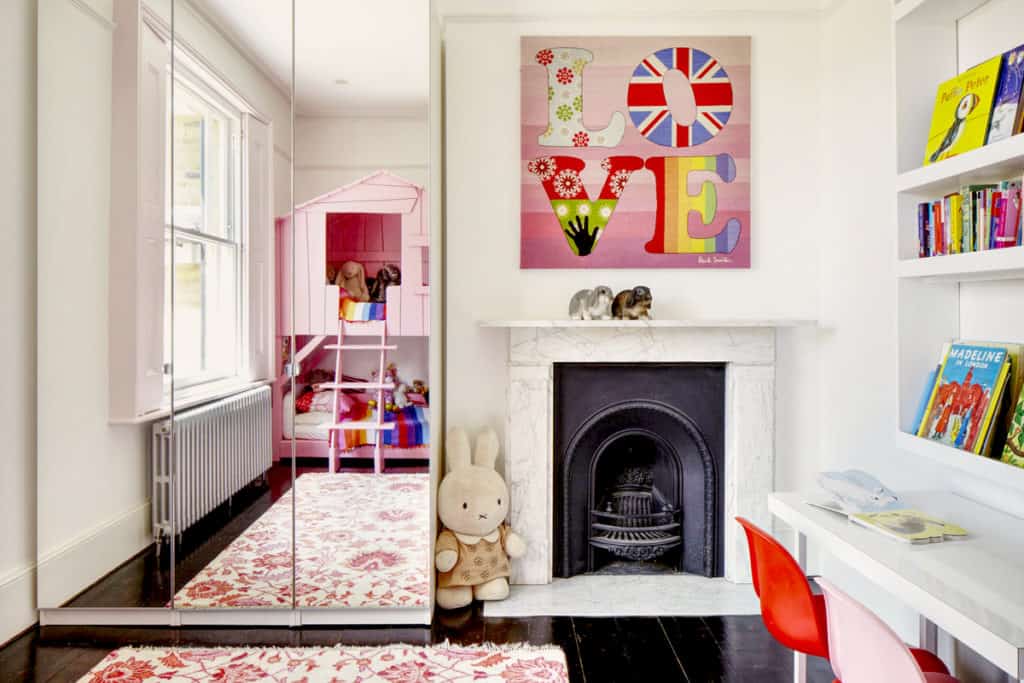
{"type": "Point", "coordinates": [799, 667]}
{"type": "Point", "coordinates": [799, 658]}
{"type": "Point", "coordinates": [929, 634]}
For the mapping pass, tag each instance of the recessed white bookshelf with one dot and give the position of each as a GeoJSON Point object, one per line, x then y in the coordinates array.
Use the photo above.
{"type": "Point", "coordinates": [996, 264]}
{"type": "Point", "coordinates": [993, 162]}
{"type": "Point", "coordinates": [960, 296]}
{"type": "Point", "coordinates": [979, 466]}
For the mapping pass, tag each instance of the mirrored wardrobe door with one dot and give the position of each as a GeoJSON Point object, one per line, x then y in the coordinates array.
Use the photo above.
{"type": "Point", "coordinates": [229, 184]}
{"type": "Point", "coordinates": [361, 308]}
{"type": "Point", "coordinates": [102, 397]}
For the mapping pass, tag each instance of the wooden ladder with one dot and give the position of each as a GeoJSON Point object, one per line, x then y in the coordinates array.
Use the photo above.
{"type": "Point", "coordinates": [335, 428]}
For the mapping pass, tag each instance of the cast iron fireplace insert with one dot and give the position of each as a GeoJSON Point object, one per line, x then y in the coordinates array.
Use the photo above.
{"type": "Point", "coordinates": [638, 467]}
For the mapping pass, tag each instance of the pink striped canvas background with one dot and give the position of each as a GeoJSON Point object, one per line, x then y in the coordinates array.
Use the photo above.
{"type": "Point", "coordinates": [605, 85]}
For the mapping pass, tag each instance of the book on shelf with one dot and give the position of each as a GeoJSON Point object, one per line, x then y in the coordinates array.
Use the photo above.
{"type": "Point", "coordinates": [962, 112]}
{"type": "Point", "coordinates": [1007, 231]}
{"type": "Point", "coordinates": [864, 500]}
{"type": "Point", "coordinates": [978, 218]}
{"type": "Point", "coordinates": [926, 393]}
{"type": "Point", "coordinates": [1013, 449]}
{"type": "Point", "coordinates": [965, 395]}
{"type": "Point", "coordinates": [1008, 94]}
{"type": "Point", "coordinates": [1014, 382]}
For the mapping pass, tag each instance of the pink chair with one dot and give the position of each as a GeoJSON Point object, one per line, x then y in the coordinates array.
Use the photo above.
{"type": "Point", "coordinates": [863, 649]}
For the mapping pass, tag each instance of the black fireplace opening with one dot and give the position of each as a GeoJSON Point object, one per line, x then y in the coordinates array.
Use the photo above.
{"type": "Point", "coordinates": [638, 468]}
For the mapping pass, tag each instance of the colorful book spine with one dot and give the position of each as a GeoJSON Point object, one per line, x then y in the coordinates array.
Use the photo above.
{"type": "Point", "coordinates": [995, 218]}
{"type": "Point", "coordinates": [957, 218]}
{"type": "Point", "coordinates": [978, 218]}
{"type": "Point", "coordinates": [922, 231]}
{"type": "Point", "coordinates": [1009, 229]}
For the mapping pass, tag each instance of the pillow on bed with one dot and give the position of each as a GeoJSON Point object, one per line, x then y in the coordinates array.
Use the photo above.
{"type": "Point", "coordinates": [323, 402]}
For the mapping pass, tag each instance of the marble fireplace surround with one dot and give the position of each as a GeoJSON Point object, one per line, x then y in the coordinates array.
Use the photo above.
{"type": "Point", "coordinates": [747, 348]}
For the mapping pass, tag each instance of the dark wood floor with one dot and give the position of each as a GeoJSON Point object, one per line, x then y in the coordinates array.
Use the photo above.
{"type": "Point", "coordinates": [691, 649]}
{"type": "Point", "coordinates": [695, 650]}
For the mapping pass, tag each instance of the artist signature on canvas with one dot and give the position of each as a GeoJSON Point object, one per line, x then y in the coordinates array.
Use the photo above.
{"type": "Point", "coordinates": [709, 260]}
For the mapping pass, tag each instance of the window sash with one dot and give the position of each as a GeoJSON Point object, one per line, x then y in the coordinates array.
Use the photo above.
{"type": "Point", "coordinates": [228, 234]}
{"type": "Point", "coordinates": [174, 239]}
{"type": "Point", "coordinates": [192, 87]}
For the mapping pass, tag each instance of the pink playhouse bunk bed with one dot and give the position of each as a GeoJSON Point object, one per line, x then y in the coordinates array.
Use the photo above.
{"type": "Point", "coordinates": [375, 221]}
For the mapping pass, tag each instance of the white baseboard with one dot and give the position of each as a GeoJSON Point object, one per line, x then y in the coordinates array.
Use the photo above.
{"type": "Point", "coordinates": [235, 617]}
{"type": "Point", "coordinates": [74, 566]}
{"type": "Point", "coordinates": [17, 601]}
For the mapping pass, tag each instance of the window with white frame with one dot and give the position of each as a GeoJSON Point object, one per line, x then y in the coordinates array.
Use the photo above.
{"type": "Point", "coordinates": [203, 233]}
{"type": "Point", "coordinates": [203, 222]}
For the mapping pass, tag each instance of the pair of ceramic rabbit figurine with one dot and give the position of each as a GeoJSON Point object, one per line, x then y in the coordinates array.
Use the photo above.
{"type": "Point", "coordinates": [473, 549]}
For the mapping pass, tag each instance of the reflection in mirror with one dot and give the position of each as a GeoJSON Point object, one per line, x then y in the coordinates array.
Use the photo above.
{"type": "Point", "coordinates": [357, 298]}
{"type": "Point", "coordinates": [103, 88]}
{"type": "Point", "coordinates": [229, 147]}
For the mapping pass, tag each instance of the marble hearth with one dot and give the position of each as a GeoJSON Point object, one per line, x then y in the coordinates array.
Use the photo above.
{"type": "Point", "coordinates": [746, 348]}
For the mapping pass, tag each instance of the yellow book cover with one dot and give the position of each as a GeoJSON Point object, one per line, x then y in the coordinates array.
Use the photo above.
{"type": "Point", "coordinates": [990, 409]}
{"type": "Point", "coordinates": [965, 394]}
{"type": "Point", "coordinates": [963, 107]}
{"type": "Point", "coordinates": [1015, 379]}
{"type": "Point", "coordinates": [910, 526]}
{"type": "Point", "coordinates": [956, 222]}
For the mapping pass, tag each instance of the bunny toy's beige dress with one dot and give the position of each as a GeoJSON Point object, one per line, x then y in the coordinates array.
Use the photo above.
{"type": "Point", "coordinates": [481, 558]}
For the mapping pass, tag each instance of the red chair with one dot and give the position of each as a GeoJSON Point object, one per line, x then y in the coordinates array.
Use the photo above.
{"type": "Point", "coordinates": [792, 613]}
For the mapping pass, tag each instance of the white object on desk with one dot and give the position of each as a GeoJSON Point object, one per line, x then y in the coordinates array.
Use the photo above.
{"type": "Point", "coordinates": [973, 589]}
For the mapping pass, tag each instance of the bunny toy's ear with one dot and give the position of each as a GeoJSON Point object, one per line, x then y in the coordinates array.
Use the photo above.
{"type": "Point", "coordinates": [486, 453]}
{"type": "Point", "coordinates": [457, 452]}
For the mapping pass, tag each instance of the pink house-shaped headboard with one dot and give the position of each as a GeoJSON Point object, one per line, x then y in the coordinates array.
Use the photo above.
{"type": "Point", "coordinates": [388, 220]}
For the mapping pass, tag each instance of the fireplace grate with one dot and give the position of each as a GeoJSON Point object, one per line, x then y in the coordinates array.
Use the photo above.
{"type": "Point", "coordinates": [634, 521]}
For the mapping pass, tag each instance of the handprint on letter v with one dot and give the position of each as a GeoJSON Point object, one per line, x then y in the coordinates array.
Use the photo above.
{"type": "Point", "coordinates": [582, 237]}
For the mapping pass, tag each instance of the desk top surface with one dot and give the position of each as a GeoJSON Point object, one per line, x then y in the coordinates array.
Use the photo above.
{"type": "Point", "coordinates": [982, 576]}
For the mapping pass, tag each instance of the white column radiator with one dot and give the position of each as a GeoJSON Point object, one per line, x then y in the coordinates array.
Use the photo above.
{"type": "Point", "coordinates": [218, 448]}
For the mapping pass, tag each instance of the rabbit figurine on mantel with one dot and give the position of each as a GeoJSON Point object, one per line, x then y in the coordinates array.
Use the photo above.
{"type": "Point", "coordinates": [591, 304]}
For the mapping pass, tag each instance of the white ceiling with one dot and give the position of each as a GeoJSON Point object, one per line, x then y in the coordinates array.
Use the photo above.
{"type": "Point", "coordinates": [380, 47]}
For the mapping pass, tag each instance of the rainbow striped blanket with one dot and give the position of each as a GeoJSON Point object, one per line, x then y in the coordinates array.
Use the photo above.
{"type": "Point", "coordinates": [412, 428]}
{"type": "Point", "coordinates": [360, 311]}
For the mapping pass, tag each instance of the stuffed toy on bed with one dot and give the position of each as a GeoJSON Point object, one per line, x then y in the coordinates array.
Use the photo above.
{"type": "Point", "coordinates": [475, 544]}
{"type": "Point", "coordinates": [352, 278]}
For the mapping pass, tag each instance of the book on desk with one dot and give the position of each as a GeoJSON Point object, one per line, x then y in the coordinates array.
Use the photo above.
{"type": "Point", "coordinates": [864, 500]}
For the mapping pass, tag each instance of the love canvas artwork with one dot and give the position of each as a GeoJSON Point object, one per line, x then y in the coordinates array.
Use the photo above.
{"type": "Point", "coordinates": [636, 152]}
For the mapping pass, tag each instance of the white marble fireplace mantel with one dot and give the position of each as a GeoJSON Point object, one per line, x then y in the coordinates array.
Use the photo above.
{"type": "Point", "coordinates": [745, 347]}
{"type": "Point", "coordinates": [723, 323]}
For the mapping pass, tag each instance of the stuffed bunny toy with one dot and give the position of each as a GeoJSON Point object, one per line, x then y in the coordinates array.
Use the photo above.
{"type": "Point", "coordinates": [388, 276]}
{"type": "Point", "coordinates": [475, 544]}
{"type": "Point", "coordinates": [352, 278]}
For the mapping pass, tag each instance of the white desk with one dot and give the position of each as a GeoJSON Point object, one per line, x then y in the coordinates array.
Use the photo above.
{"type": "Point", "coordinates": [972, 589]}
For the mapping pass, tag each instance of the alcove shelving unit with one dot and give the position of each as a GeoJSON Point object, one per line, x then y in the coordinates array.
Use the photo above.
{"type": "Point", "coordinates": [974, 296]}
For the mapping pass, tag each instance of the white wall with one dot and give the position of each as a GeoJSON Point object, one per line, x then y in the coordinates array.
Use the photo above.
{"type": "Point", "coordinates": [17, 300]}
{"type": "Point", "coordinates": [334, 151]}
{"type": "Point", "coordinates": [92, 477]}
{"type": "Point", "coordinates": [93, 481]}
{"type": "Point", "coordinates": [482, 228]}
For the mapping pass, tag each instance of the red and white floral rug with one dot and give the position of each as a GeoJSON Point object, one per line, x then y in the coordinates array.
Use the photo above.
{"type": "Point", "coordinates": [391, 664]}
{"type": "Point", "coordinates": [361, 540]}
